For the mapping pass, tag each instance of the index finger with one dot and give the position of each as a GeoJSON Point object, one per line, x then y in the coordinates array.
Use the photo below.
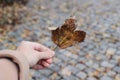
{"type": "Point", "coordinates": [40, 47]}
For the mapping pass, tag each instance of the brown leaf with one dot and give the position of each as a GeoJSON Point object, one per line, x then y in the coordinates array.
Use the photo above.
{"type": "Point", "coordinates": [66, 35]}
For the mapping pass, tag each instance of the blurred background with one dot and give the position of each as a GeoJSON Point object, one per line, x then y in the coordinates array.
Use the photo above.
{"type": "Point", "coordinates": [97, 58]}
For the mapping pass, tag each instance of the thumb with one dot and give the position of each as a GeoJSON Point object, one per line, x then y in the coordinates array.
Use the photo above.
{"type": "Point", "coordinates": [45, 55]}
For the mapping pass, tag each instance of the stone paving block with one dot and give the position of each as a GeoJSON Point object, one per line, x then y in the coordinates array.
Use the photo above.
{"type": "Point", "coordinates": [80, 66]}
{"type": "Point", "coordinates": [56, 60]}
{"type": "Point", "coordinates": [106, 78]}
{"type": "Point", "coordinates": [95, 66]}
{"type": "Point", "coordinates": [54, 67]}
{"type": "Point", "coordinates": [72, 77]}
{"type": "Point", "coordinates": [54, 78]}
{"type": "Point", "coordinates": [89, 71]}
{"type": "Point", "coordinates": [107, 64]}
{"type": "Point", "coordinates": [93, 52]}
{"type": "Point", "coordinates": [72, 62]}
{"type": "Point", "coordinates": [66, 72]}
{"type": "Point", "coordinates": [46, 72]}
{"type": "Point", "coordinates": [118, 53]}
{"type": "Point", "coordinates": [45, 78]}
{"type": "Point", "coordinates": [117, 77]}
{"type": "Point", "coordinates": [72, 69]}
{"type": "Point", "coordinates": [111, 73]}
{"type": "Point", "coordinates": [91, 78]}
{"type": "Point", "coordinates": [82, 59]}
{"type": "Point", "coordinates": [111, 51]}
{"type": "Point", "coordinates": [81, 75]}
{"type": "Point", "coordinates": [64, 58]}
{"type": "Point", "coordinates": [62, 64]}
{"type": "Point", "coordinates": [117, 69]}
{"type": "Point", "coordinates": [89, 63]}
{"type": "Point", "coordinates": [74, 56]}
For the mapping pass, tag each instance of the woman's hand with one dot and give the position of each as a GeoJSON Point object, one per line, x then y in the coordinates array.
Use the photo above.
{"type": "Point", "coordinates": [37, 55]}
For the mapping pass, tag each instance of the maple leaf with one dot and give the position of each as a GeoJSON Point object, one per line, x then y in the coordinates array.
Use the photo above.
{"type": "Point", "coordinates": [66, 35]}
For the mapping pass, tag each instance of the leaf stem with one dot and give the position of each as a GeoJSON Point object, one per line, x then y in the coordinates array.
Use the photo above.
{"type": "Point", "coordinates": [55, 48]}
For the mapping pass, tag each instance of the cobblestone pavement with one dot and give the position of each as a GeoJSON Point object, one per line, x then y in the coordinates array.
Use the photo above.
{"type": "Point", "coordinates": [97, 58]}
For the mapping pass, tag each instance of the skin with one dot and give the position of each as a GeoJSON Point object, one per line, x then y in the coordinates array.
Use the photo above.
{"type": "Point", "coordinates": [8, 73]}
{"type": "Point", "coordinates": [38, 56]}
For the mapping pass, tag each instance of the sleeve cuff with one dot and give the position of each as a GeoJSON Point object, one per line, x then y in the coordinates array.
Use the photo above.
{"type": "Point", "coordinates": [20, 60]}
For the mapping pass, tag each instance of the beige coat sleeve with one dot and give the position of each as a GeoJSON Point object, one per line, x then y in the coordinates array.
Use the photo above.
{"type": "Point", "coordinates": [20, 60]}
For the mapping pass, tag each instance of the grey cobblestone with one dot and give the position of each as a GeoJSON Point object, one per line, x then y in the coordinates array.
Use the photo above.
{"type": "Point", "coordinates": [118, 53]}
{"type": "Point", "coordinates": [74, 56]}
{"type": "Point", "coordinates": [111, 73]}
{"type": "Point", "coordinates": [82, 75]}
{"type": "Point", "coordinates": [95, 66]}
{"type": "Point", "coordinates": [57, 60]}
{"type": "Point", "coordinates": [117, 69]}
{"type": "Point", "coordinates": [54, 67]}
{"type": "Point", "coordinates": [91, 78]}
{"type": "Point", "coordinates": [63, 58]}
{"type": "Point", "coordinates": [80, 66]}
{"type": "Point", "coordinates": [106, 78]}
{"type": "Point", "coordinates": [72, 77]}
{"type": "Point", "coordinates": [107, 64]}
{"type": "Point", "coordinates": [46, 72]}
{"type": "Point", "coordinates": [72, 62]}
{"type": "Point", "coordinates": [89, 63]}
{"type": "Point", "coordinates": [117, 77]}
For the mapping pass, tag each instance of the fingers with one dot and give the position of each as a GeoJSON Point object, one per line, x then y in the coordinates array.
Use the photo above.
{"type": "Point", "coordinates": [43, 64]}
{"type": "Point", "coordinates": [40, 47]}
{"type": "Point", "coordinates": [49, 60]}
{"type": "Point", "coordinates": [37, 67]}
{"type": "Point", "coordinates": [35, 52]}
{"type": "Point", "coordinates": [44, 55]}
{"type": "Point", "coordinates": [35, 45]}
{"type": "Point", "coordinates": [45, 52]}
